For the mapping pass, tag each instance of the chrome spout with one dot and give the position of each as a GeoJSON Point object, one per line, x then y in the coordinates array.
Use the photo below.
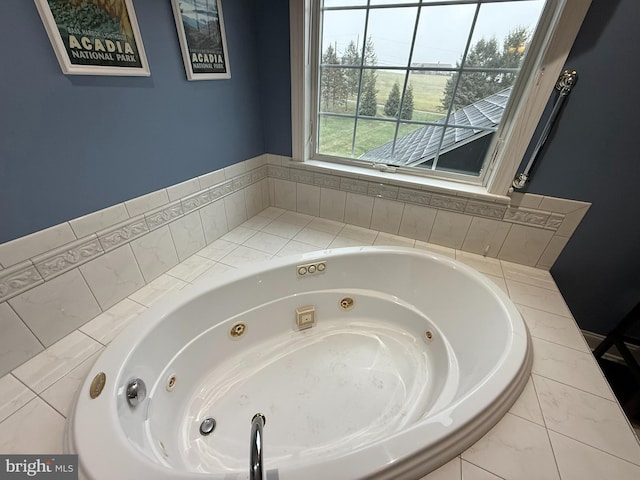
{"type": "Point", "coordinates": [256, 467]}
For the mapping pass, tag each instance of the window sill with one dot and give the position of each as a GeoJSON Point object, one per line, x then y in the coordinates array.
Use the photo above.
{"type": "Point", "coordinates": [400, 179]}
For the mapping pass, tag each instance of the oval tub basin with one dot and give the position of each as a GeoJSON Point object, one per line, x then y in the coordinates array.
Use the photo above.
{"type": "Point", "coordinates": [377, 362]}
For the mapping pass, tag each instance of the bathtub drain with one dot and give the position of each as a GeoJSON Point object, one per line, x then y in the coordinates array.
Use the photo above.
{"type": "Point", "coordinates": [207, 426]}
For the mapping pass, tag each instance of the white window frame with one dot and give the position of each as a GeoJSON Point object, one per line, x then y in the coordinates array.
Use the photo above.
{"type": "Point", "coordinates": [561, 27]}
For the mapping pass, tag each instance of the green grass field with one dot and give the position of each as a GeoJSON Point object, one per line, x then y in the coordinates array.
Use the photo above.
{"type": "Point", "coordinates": [336, 133]}
{"type": "Point", "coordinates": [427, 89]}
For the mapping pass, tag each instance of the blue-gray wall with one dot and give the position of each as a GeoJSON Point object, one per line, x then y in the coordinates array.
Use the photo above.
{"type": "Point", "coordinates": [275, 78]}
{"type": "Point", "coordinates": [593, 156]}
{"type": "Point", "coordinates": [70, 145]}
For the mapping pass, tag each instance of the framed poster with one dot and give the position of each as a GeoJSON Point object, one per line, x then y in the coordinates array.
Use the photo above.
{"type": "Point", "coordinates": [202, 39]}
{"type": "Point", "coordinates": [94, 37]}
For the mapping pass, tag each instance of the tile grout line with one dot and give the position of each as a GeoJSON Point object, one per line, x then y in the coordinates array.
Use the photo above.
{"type": "Point", "coordinates": [28, 328]}
{"type": "Point", "coordinates": [577, 388]}
{"type": "Point", "coordinates": [594, 447]}
{"type": "Point", "coordinates": [546, 427]}
{"type": "Point", "coordinates": [478, 466]}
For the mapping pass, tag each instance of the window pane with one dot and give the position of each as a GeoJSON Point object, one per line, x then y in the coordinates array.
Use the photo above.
{"type": "Point", "coordinates": [342, 33]}
{"type": "Point", "coordinates": [383, 105]}
{"type": "Point", "coordinates": [336, 95]}
{"type": "Point", "coordinates": [418, 147]}
{"type": "Point", "coordinates": [466, 152]}
{"type": "Point", "coordinates": [391, 33]}
{"type": "Point", "coordinates": [480, 95]}
{"type": "Point", "coordinates": [343, 3]}
{"type": "Point", "coordinates": [416, 143]}
{"type": "Point", "coordinates": [370, 134]}
{"type": "Point", "coordinates": [428, 92]}
{"type": "Point", "coordinates": [502, 33]}
{"type": "Point", "coordinates": [392, 2]}
{"type": "Point", "coordinates": [443, 33]}
{"type": "Point", "coordinates": [389, 84]}
{"type": "Point", "coordinates": [335, 135]}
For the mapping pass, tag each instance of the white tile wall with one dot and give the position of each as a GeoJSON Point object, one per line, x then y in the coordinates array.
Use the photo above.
{"type": "Point", "coordinates": [485, 236]}
{"type": "Point", "coordinates": [236, 209]}
{"type": "Point", "coordinates": [17, 343]}
{"type": "Point", "coordinates": [332, 204]}
{"type": "Point", "coordinates": [57, 307]}
{"type": "Point", "coordinates": [308, 199]}
{"type": "Point", "coordinates": [198, 212]}
{"type": "Point", "coordinates": [145, 203]}
{"type": "Point", "coordinates": [358, 210]}
{"type": "Point", "coordinates": [525, 228]}
{"type": "Point", "coordinates": [113, 276]}
{"type": "Point", "coordinates": [566, 424]}
{"type": "Point", "coordinates": [184, 189]}
{"type": "Point", "coordinates": [188, 235]}
{"type": "Point", "coordinates": [525, 244]}
{"type": "Point", "coordinates": [155, 253]}
{"type": "Point", "coordinates": [16, 251]}
{"type": "Point", "coordinates": [99, 220]}
{"type": "Point", "coordinates": [417, 221]}
{"type": "Point", "coordinates": [450, 229]}
{"type": "Point", "coordinates": [386, 215]}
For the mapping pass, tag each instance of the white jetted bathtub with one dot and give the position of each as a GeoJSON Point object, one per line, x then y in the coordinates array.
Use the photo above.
{"type": "Point", "coordinates": [410, 358]}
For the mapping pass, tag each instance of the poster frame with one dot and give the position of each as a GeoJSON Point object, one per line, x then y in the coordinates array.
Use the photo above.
{"type": "Point", "coordinates": [69, 68]}
{"type": "Point", "coordinates": [184, 46]}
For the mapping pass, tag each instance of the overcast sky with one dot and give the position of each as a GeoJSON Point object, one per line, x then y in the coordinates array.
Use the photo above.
{"type": "Point", "coordinates": [442, 31]}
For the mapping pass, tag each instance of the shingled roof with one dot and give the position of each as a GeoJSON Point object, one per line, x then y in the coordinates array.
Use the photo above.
{"type": "Point", "coordinates": [421, 145]}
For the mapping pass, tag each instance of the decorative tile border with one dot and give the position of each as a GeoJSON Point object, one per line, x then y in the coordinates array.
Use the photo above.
{"type": "Point", "coordinates": [70, 256]}
{"type": "Point", "coordinates": [18, 279]}
{"type": "Point", "coordinates": [124, 232]}
{"type": "Point", "coordinates": [558, 221]}
{"type": "Point", "coordinates": [219, 191]}
{"type": "Point", "coordinates": [383, 191]}
{"type": "Point", "coordinates": [197, 200]}
{"type": "Point", "coordinates": [524, 209]}
{"type": "Point", "coordinates": [485, 210]}
{"type": "Point", "coordinates": [45, 266]}
{"type": "Point", "coordinates": [526, 217]}
{"type": "Point", "coordinates": [353, 185]}
{"type": "Point", "coordinates": [48, 265]}
{"type": "Point", "coordinates": [414, 196]}
{"type": "Point", "coordinates": [448, 203]}
{"type": "Point", "coordinates": [163, 215]}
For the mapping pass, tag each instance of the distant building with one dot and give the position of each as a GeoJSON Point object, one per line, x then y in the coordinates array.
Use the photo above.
{"type": "Point", "coordinates": [431, 65]}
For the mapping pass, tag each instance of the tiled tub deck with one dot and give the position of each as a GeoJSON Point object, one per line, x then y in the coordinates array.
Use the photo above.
{"type": "Point", "coordinates": [566, 425]}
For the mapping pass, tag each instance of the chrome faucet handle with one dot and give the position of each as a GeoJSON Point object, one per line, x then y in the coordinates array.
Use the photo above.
{"type": "Point", "coordinates": [256, 467]}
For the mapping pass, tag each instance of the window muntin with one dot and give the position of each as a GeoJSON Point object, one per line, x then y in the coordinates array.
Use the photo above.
{"type": "Point", "coordinates": [352, 126]}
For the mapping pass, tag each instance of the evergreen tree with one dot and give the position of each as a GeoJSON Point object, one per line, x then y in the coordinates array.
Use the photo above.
{"type": "Point", "coordinates": [407, 104]}
{"type": "Point", "coordinates": [368, 94]}
{"type": "Point", "coordinates": [333, 86]}
{"type": "Point", "coordinates": [351, 56]}
{"type": "Point", "coordinates": [474, 86]}
{"type": "Point", "coordinates": [393, 101]}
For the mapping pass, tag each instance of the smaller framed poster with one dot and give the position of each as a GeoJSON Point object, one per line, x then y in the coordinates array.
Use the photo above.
{"type": "Point", "coordinates": [94, 37]}
{"type": "Point", "coordinates": [202, 39]}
